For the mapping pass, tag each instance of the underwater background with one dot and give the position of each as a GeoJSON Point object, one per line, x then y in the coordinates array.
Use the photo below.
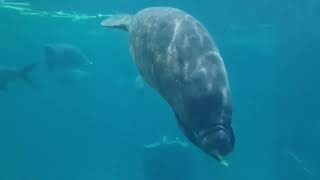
{"type": "Point", "coordinates": [97, 128]}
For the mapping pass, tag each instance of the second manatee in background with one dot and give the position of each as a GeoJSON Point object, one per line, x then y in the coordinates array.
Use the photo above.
{"type": "Point", "coordinates": [67, 62]}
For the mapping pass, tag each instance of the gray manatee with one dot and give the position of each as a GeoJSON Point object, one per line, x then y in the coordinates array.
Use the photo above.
{"type": "Point", "coordinates": [63, 56]}
{"type": "Point", "coordinates": [176, 55]}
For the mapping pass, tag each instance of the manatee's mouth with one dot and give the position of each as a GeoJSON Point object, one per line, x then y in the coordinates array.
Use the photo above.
{"type": "Point", "coordinates": [217, 141]}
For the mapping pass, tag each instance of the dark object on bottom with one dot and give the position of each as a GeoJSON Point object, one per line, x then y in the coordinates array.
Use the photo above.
{"type": "Point", "coordinates": [169, 162]}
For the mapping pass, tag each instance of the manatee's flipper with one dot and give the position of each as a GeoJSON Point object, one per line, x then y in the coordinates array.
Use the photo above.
{"type": "Point", "coordinates": [25, 72]}
{"type": "Point", "coordinates": [3, 86]}
{"type": "Point", "coordinates": [121, 21]}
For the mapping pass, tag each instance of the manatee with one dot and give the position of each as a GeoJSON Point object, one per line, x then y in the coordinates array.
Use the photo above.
{"type": "Point", "coordinates": [9, 75]}
{"type": "Point", "coordinates": [62, 56]}
{"type": "Point", "coordinates": [177, 56]}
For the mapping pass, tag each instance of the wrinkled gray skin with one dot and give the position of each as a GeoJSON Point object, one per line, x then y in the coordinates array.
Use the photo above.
{"type": "Point", "coordinates": [177, 56]}
{"type": "Point", "coordinates": [64, 56]}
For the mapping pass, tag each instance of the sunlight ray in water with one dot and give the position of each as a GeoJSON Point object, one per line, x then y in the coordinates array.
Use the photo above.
{"type": "Point", "coordinates": [25, 9]}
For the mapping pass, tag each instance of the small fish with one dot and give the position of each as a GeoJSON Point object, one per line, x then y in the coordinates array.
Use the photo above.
{"type": "Point", "coordinates": [295, 157]}
{"type": "Point", "coordinates": [165, 141]}
{"type": "Point", "coordinates": [153, 145]}
{"type": "Point", "coordinates": [9, 75]}
{"type": "Point", "coordinates": [300, 163]}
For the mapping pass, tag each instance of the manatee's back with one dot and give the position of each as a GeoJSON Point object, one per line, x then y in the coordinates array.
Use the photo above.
{"type": "Point", "coordinates": [64, 56]}
{"type": "Point", "coordinates": [173, 50]}
{"type": "Point", "coordinates": [150, 34]}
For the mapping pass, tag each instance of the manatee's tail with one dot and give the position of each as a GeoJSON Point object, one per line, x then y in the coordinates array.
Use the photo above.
{"type": "Point", "coordinates": [26, 70]}
{"type": "Point", "coordinates": [121, 21]}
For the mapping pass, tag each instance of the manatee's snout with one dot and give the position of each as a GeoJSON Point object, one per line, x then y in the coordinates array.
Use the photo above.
{"type": "Point", "coordinates": [219, 141]}
{"type": "Point", "coordinates": [223, 142]}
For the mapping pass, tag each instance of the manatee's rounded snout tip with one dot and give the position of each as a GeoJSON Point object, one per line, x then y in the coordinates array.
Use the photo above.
{"type": "Point", "coordinates": [219, 143]}
{"type": "Point", "coordinates": [224, 143]}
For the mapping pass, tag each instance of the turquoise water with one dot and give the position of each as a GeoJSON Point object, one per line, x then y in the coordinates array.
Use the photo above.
{"type": "Point", "coordinates": [96, 129]}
